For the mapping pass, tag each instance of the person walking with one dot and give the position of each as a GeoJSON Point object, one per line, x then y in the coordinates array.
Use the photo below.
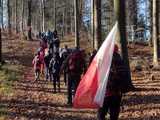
{"type": "Point", "coordinates": [55, 73]}
{"type": "Point", "coordinates": [37, 66]}
{"type": "Point", "coordinates": [115, 88]}
{"type": "Point", "coordinates": [75, 65]}
{"type": "Point", "coordinates": [64, 54]}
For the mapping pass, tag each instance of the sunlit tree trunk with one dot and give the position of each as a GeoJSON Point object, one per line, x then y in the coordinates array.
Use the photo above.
{"type": "Point", "coordinates": [154, 33]}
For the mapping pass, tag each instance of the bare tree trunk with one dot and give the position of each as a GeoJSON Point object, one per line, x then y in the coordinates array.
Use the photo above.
{"type": "Point", "coordinates": [158, 26]}
{"type": "Point", "coordinates": [29, 36]}
{"type": "Point", "coordinates": [131, 12]}
{"type": "Point", "coordinates": [22, 17]}
{"type": "Point", "coordinates": [16, 27]}
{"type": "Point", "coordinates": [63, 24]}
{"type": "Point", "coordinates": [80, 12]}
{"type": "Point", "coordinates": [64, 20]}
{"type": "Point", "coordinates": [9, 17]}
{"type": "Point", "coordinates": [119, 7]}
{"type": "Point", "coordinates": [97, 23]}
{"type": "Point", "coordinates": [71, 19]}
{"type": "Point", "coordinates": [55, 14]}
{"type": "Point", "coordinates": [155, 42]}
{"type": "Point", "coordinates": [151, 28]}
{"type": "Point", "coordinates": [1, 14]}
{"type": "Point", "coordinates": [1, 5]}
{"type": "Point", "coordinates": [0, 45]}
{"type": "Point", "coordinates": [92, 22]}
{"type": "Point", "coordinates": [76, 14]}
{"type": "Point", "coordinates": [67, 17]}
{"type": "Point", "coordinates": [43, 15]}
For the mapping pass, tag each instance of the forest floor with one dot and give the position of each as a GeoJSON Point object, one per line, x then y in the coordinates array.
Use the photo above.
{"type": "Point", "coordinates": [29, 100]}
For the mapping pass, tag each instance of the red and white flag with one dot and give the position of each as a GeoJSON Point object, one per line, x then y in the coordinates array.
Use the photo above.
{"type": "Point", "coordinates": [92, 88]}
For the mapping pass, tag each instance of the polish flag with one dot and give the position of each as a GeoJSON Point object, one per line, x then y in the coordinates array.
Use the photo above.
{"type": "Point", "coordinates": [92, 88]}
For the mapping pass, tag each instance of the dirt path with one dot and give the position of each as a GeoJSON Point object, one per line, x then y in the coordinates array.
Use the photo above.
{"type": "Point", "coordinates": [36, 100]}
{"type": "Point", "coordinates": [144, 103]}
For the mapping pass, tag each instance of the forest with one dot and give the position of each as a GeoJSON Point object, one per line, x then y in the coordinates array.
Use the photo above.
{"type": "Point", "coordinates": [29, 27]}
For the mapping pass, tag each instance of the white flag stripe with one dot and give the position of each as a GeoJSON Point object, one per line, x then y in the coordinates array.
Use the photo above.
{"type": "Point", "coordinates": [104, 59]}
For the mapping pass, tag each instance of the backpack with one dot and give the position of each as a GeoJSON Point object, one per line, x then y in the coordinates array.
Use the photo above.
{"type": "Point", "coordinates": [76, 62]}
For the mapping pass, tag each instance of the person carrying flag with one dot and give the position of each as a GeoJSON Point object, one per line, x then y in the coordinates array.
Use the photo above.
{"type": "Point", "coordinates": [114, 88]}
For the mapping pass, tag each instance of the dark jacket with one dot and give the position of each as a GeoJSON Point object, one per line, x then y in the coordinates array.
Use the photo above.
{"type": "Point", "coordinates": [117, 81]}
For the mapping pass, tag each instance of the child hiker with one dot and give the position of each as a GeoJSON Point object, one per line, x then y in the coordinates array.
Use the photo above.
{"type": "Point", "coordinates": [37, 66]}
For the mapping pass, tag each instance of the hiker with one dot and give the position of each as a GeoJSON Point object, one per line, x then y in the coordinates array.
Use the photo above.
{"type": "Point", "coordinates": [55, 73]}
{"type": "Point", "coordinates": [42, 52]}
{"type": "Point", "coordinates": [43, 43]}
{"type": "Point", "coordinates": [37, 66]}
{"type": "Point", "coordinates": [55, 34]}
{"type": "Point", "coordinates": [115, 88]}
{"type": "Point", "coordinates": [50, 40]}
{"type": "Point", "coordinates": [56, 44]}
{"type": "Point", "coordinates": [49, 36]}
{"type": "Point", "coordinates": [75, 64]}
{"type": "Point", "coordinates": [63, 55]}
{"type": "Point", "coordinates": [47, 59]}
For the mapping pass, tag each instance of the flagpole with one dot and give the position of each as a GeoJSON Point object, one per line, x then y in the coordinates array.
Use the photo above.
{"type": "Point", "coordinates": [119, 9]}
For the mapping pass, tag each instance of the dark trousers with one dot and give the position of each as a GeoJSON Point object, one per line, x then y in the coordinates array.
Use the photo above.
{"type": "Point", "coordinates": [111, 104]}
{"type": "Point", "coordinates": [73, 81]}
{"type": "Point", "coordinates": [46, 72]}
{"type": "Point", "coordinates": [50, 75]}
{"type": "Point", "coordinates": [56, 79]}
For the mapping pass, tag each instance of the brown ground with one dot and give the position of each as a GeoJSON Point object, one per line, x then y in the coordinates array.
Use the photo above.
{"type": "Point", "coordinates": [36, 101]}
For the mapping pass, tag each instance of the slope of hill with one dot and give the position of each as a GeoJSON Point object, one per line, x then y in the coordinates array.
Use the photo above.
{"type": "Point", "coordinates": [35, 100]}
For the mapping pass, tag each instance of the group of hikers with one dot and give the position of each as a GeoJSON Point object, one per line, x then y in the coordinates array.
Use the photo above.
{"type": "Point", "coordinates": [54, 61]}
